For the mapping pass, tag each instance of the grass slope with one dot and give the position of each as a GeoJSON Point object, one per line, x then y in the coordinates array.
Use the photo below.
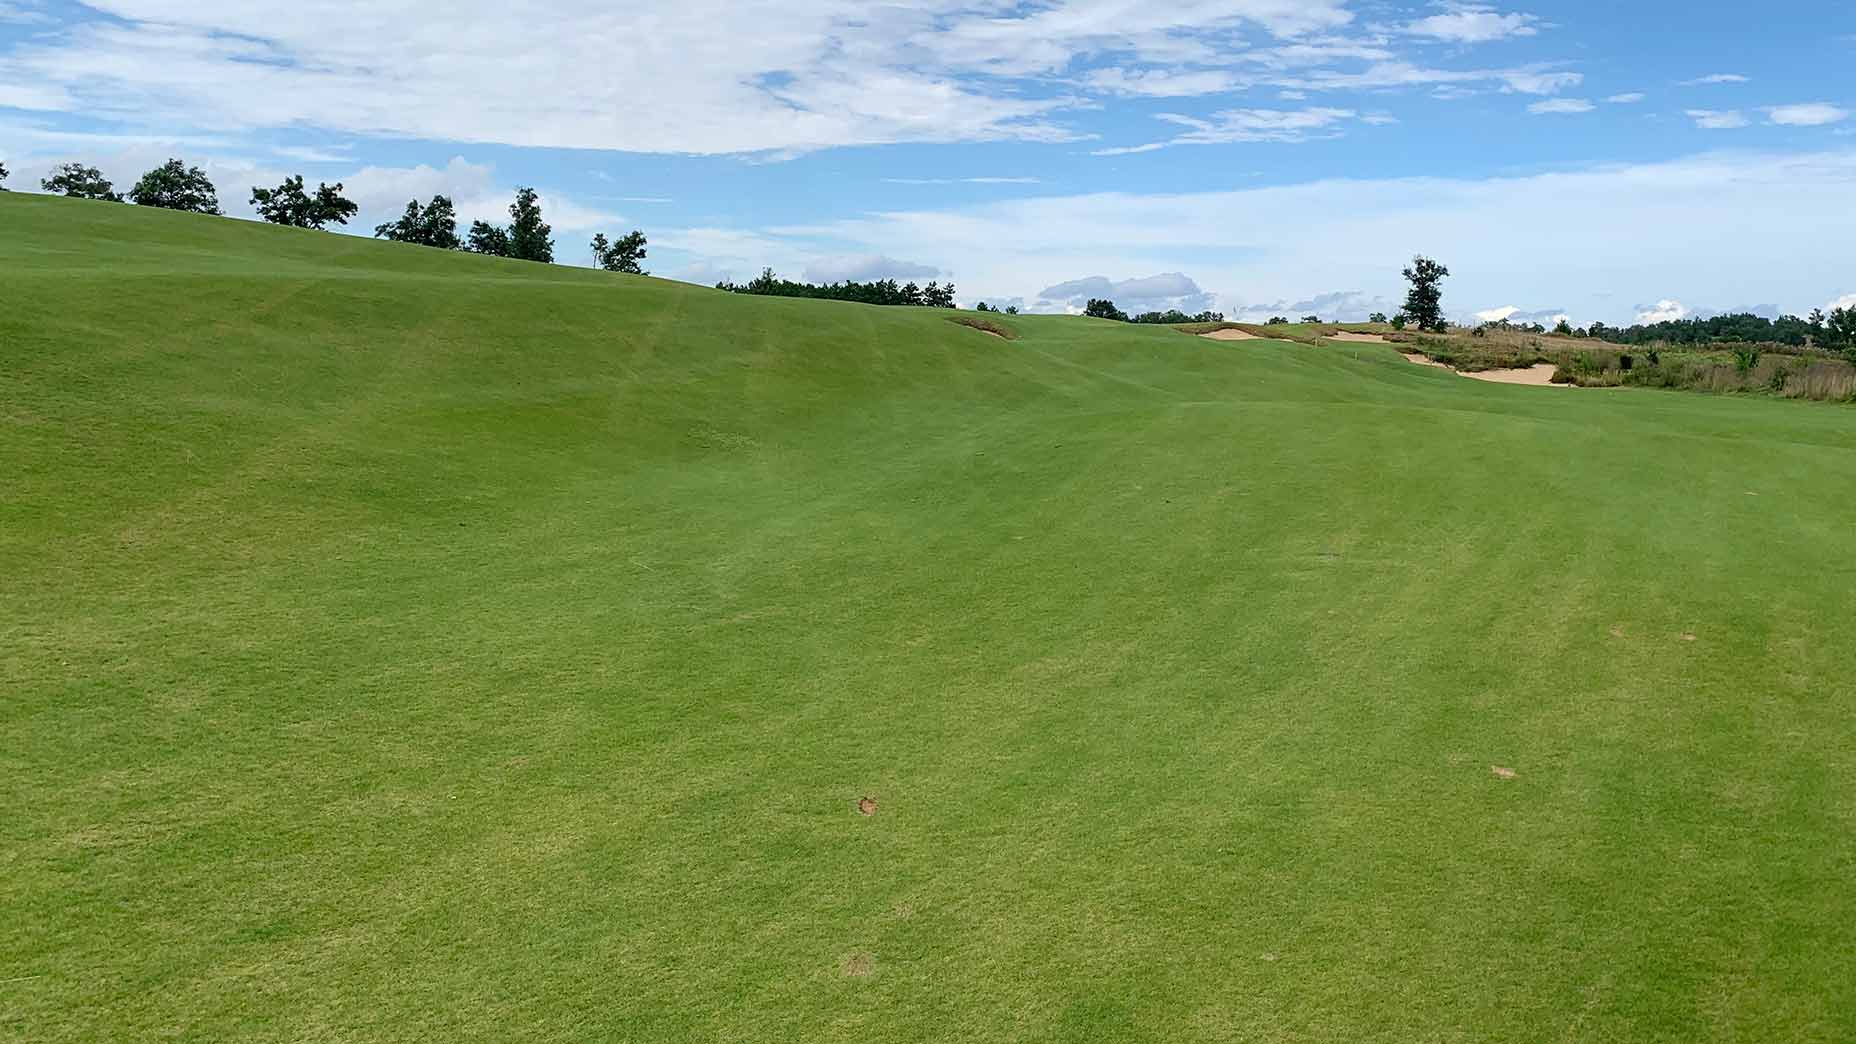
{"type": "Point", "coordinates": [406, 645]}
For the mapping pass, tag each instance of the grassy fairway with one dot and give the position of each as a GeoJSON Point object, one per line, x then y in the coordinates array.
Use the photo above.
{"type": "Point", "coordinates": [399, 645]}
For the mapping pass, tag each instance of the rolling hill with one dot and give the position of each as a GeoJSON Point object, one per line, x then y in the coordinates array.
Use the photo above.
{"type": "Point", "coordinates": [410, 645]}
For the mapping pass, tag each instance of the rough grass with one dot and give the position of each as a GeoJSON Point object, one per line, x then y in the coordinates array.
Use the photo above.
{"type": "Point", "coordinates": [401, 645]}
{"type": "Point", "coordinates": [986, 324]}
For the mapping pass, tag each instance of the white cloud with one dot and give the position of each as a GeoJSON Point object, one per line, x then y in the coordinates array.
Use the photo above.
{"type": "Point", "coordinates": [1496, 315]}
{"type": "Point", "coordinates": [1251, 125]}
{"type": "Point", "coordinates": [1810, 114]}
{"type": "Point", "coordinates": [1659, 227]}
{"type": "Point", "coordinates": [1712, 119]}
{"type": "Point", "coordinates": [1630, 98]}
{"type": "Point", "coordinates": [1561, 106]}
{"type": "Point", "coordinates": [1716, 79]}
{"type": "Point", "coordinates": [1473, 23]}
{"type": "Point", "coordinates": [1662, 312]}
{"type": "Point", "coordinates": [1846, 301]}
{"type": "Point", "coordinates": [717, 76]}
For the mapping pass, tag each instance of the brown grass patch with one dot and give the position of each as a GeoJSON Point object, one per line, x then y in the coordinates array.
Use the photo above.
{"type": "Point", "coordinates": [1502, 771]}
{"type": "Point", "coordinates": [866, 806]}
{"type": "Point", "coordinates": [985, 326]}
{"type": "Point", "coordinates": [859, 966]}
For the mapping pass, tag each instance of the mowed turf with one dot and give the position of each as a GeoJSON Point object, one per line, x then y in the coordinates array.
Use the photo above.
{"type": "Point", "coordinates": [399, 645]}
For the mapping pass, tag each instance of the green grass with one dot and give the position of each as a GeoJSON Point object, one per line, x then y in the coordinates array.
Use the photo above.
{"type": "Point", "coordinates": [398, 645]}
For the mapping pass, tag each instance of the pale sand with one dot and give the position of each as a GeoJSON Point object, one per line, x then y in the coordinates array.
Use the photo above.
{"type": "Point", "coordinates": [1358, 338]}
{"type": "Point", "coordinates": [1230, 335]}
{"type": "Point", "coordinates": [1539, 375]}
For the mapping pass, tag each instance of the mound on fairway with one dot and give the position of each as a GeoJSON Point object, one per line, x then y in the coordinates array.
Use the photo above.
{"type": "Point", "coordinates": [408, 645]}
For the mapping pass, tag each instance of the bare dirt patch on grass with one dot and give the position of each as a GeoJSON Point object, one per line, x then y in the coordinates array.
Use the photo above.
{"type": "Point", "coordinates": [1358, 338]}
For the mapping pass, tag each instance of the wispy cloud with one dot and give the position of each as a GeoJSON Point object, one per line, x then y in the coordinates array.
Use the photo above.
{"type": "Point", "coordinates": [1630, 98]}
{"type": "Point", "coordinates": [1809, 114]}
{"type": "Point", "coordinates": [1714, 119]}
{"type": "Point", "coordinates": [1561, 106]}
{"type": "Point", "coordinates": [964, 181]}
{"type": "Point", "coordinates": [1716, 79]}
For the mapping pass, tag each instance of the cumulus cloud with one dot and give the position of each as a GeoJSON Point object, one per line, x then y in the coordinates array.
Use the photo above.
{"type": "Point", "coordinates": [1336, 306]}
{"type": "Point", "coordinates": [1155, 293]}
{"type": "Point", "coordinates": [1846, 301]}
{"type": "Point", "coordinates": [1712, 119]}
{"type": "Point", "coordinates": [1283, 243]}
{"type": "Point", "coordinates": [1662, 312]}
{"type": "Point", "coordinates": [1473, 23]}
{"type": "Point", "coordinates": [1561, 106]}
{"type": "Point", "coordinates": [1809, 114]}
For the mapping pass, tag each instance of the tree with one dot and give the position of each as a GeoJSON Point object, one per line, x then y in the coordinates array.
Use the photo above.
{"type": "Point", "coordinates": [2, 177]}
{"type": "Point", "coordinates": [435, 225]}
{"type": "Point", "coordinates": [530, 238]}
{"type": "Point", "coordinates": [1011, 309]}
{"type": "Point", "coordinates": [1840, 330]}
{"type": "Point", "coordinates": [1100, 308]}
{"type": "Point", "coordinates": [982, 307]}
{"type": "Point", "coordinates": [80, 182]}
{"type": "Point", "coordinates": [288, 204]}
{"type": "Point", "coordinates": [1277, 320]}
{"type": "Point", "coordinates": [1311, 319]}
{"type": "Point", "coordinates": [486, 238]}
{"type": "Point", "coordinates": [174, 186]}
{"type": "Point", "coordinates": [1378, 317]}
{"type": "Point", "coordinates": [1563, 328]}
{"type": "Point", "coordinates": [622, 256]}
{"type": "Point", "coordinates": [1424, 305]}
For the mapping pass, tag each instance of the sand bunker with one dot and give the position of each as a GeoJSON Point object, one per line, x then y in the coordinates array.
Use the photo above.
{"type": "Point", "coordinates": [1358, 338]}
{"type": "Point", "coordinates": [1540, 375]}
{"type": "Point", "coordinates": [1230, 335]}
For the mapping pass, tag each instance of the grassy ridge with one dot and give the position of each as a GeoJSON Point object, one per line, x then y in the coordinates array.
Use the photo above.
{"type": "Point", "coordinates": [409, 645]}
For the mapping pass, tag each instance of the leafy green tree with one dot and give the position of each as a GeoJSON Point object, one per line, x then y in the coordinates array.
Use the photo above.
{"type": "Point", "coordinates": [486, 238]}
{"type": "Point", "coordinates": [80, 182]}
{"type": "Point", "coordinates": [1378, 317]}
{"type": "Point", "coordinates": [530, 238]}
{"type": "Point", "coordinates": [1424, 304]}
{"type": "Point", "coordinates": [288, 204]}
{"type": "Point", "coordinates": [175, 186]}
{"type": "Point", "coordinates": [1840, 330]}
{"type": "Point", "coordinates": [1101, 308]}
{"type": "Point", "coordinates": [1011, 309]}
{"type": "Point", "coordinates": [622, 256]}
{"type": "Point", "coordinates": [434, 225]}
{"type": "Point", "coordinates": [1277, 320]}
{"type": "Point", "coordinates": [1311, 319]}
{"type": "Point", "coordinates": [1563, 328]}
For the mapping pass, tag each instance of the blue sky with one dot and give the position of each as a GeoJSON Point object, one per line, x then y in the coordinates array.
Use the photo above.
{"type": "Point", "coordinates": [1604, 161]}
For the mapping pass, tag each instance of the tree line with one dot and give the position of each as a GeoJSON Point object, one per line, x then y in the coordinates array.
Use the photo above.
{"type": "Point", "coordinates": [1102, 308]}
{"type": "Point", "coordinates": [1835, 330]}
{"type": "Point", "coordinates": [879, 292]}
{"type": "Point", "coordinates": [175, 186]}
